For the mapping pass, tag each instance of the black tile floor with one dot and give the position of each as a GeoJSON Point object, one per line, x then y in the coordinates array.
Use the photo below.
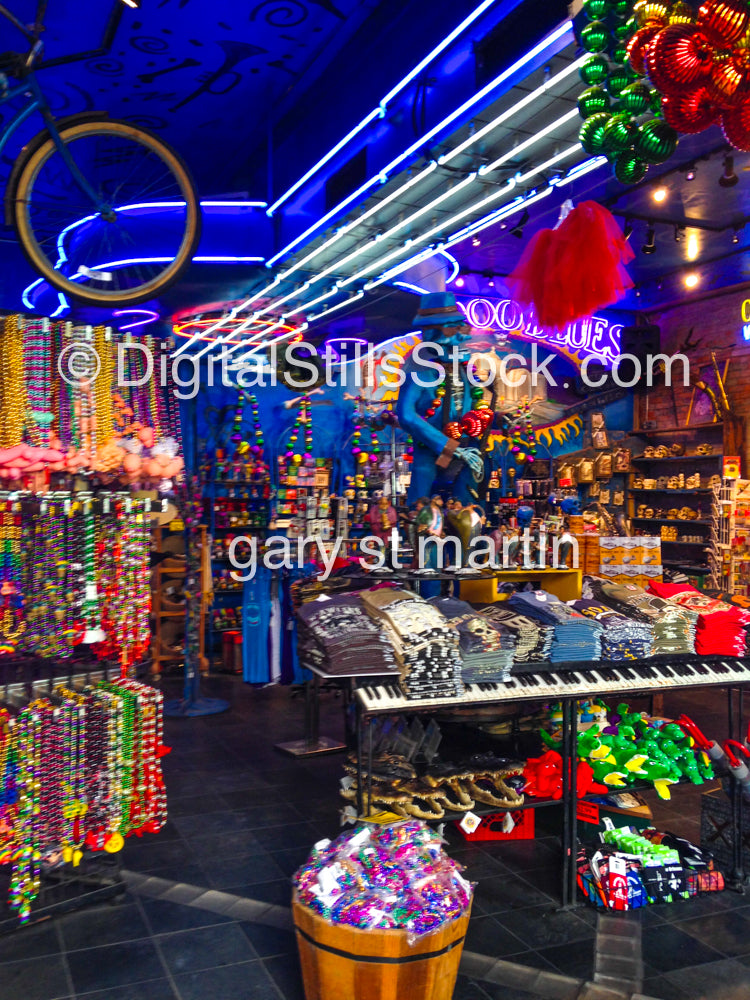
{"type": "Point", "coordinates": [242, 819]}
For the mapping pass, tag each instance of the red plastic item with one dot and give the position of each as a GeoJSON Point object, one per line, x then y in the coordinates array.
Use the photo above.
{"type": "Point", "coordinates": [491, 827]}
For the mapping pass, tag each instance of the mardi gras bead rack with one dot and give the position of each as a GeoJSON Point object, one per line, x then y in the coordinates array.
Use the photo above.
{"type": "Point", "coordinates": [74, 573]}
{"type": "Point", "coordinates": [79, 772]}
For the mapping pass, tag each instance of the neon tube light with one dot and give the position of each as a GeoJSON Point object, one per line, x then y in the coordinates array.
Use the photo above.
{"type": "Point", "coordinates": [339, 305]}
{"type": "Point", "coordinates": [379, 112]}
{"type": "Point", "coordinates": [519, 106]}
{"type": "Point", "coordinates": [565, 28]}
{"type": "Point", "coordinates": [150, 314]}
{"type": "Point", "coordinates": [446, 158]}
{"type": "Point", "coordinates": [451, 260]}
{"type": "Point", "coordinates": [531, 141]}
{"type": "Point", "coordinates": [411, 288]}
{"type": "Point", "coordinates": [443, 196]}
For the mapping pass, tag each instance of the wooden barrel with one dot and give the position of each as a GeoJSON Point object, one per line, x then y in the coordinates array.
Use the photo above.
{"type": "Point", "coordinates": [345, 963]}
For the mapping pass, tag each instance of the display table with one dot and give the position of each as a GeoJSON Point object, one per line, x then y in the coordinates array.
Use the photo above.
{"type": "Point", "coordinates": [567, 683]}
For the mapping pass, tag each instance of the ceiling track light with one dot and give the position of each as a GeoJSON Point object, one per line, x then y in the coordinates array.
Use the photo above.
{"type": "Point", "coordinates": [729, 178]}
{"type": "Point", "coordinates": [679, 232]}
{"type": "Point", "coordinates": [627, 230]}
{"type": "Point", "coordinates": [135, 4]}
{"type": "Point", "coordinates": [649, 246]}
{"type": "Point", "coordinates": [690, 173]}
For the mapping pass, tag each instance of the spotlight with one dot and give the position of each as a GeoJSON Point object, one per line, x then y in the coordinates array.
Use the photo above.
{"type": "Point", "coordinates": [491, 282]}
{"type": "Point", "coordinates": [517, 230]}
{"type": "Point", "coordinates": [729, 178]}
{"type": "Point", "coordinates": [690, 173]}
{"type": "Point", "coordinates": [627, 231]}
{"type": "Point", "coordinates": [736, 236]}
{"type": "Point", "coordinates": [460, 282]}
{"type": "Point", "coordinates": [678, 233]}
{"type": "Point", "coordinates": [650, 245]}
{"type": "Point", "coordinates": [475, 241]}
{"type": "Point", "coordinates": [659, 194]}
{"type": "Point", "coordinates": [691, 280]}
{"type": "Point", "coordinates": [135, 4]}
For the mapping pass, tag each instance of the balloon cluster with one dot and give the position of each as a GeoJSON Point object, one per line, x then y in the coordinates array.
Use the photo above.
{"type": "Point", "coordinates": [473, 424]}
{"type": "Point", "coordinates": [621, 111]}
{"type": "Point", "coordinates": [520, 432]}
{"type": "Point", "coordinates": [700, 65]}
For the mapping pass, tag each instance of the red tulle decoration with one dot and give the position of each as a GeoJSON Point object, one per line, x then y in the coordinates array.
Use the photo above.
{"type": "Point", "coordinates": [724, 21]}
{"type": "Point", "coordinates": [690, 112]}
{"type": "Point", "coordinates": [735, 124]}
{"type": "Point", "coordinates": [568, 273]}
{"type": "Point", "coordinates": [638, 46]}
{"type": "Point", "coordinates": [679, 56]}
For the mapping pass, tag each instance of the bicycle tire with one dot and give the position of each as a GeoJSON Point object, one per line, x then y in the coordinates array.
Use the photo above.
{"type": "Point", "coordinates": [23, 198]}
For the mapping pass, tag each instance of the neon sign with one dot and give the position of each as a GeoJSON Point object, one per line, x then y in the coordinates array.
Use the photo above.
{"type": "Point", "coordinates": [592, 337]}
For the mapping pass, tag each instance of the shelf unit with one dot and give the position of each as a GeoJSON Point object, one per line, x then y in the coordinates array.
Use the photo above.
{"type": "Point", "coordinates": [246, 500]}
{"type": "Point", "coordinates": [681, 554]}
{"type": "Point", "coordinates": [159, 613]}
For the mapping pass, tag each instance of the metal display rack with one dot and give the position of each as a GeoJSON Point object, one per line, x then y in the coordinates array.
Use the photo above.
{"type": "Point", "coordinates": [98, 877]}
{"type": "Point", "coordinates": [739, 679]}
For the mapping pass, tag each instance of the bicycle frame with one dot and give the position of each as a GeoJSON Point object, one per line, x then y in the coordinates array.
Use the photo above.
{"type": "Point", "coordinates": [30, 89]}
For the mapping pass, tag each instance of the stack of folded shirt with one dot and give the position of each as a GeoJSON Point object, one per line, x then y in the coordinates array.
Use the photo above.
{"type": "Point", "coordinates": [487, 647]}
{"type": "Point", "coordinates": [674, 626]}
{"type": "Point", "coordinates": [426, 647]}
{"type": "Point", "coordinates": [533, 639]}
{"type": "Point", "coordinates": [623, 638]}
{"type": "Point", "coordinates": [337, 635]}
{"type": "Point", "coordinates": [721, 626]}
{"type": "Point", "coordinates": [576, 637]}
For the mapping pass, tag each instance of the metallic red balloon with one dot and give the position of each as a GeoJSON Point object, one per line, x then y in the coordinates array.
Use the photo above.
{"type": "Point", "coordinates": [736, 127]}
{"type": "Point", "coordinates": [690, 112]}
{"type": "Point", "coordinates": [724, 21]}
{"type": "Point", "coordinates": [726, 85]}
{"type": "Point", "coordinates": [638, 45]}
{"type": "Point", "coordinates": [679, 56]}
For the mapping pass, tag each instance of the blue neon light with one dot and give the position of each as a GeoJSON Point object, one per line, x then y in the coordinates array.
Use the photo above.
{"type": "Point", "coordinates": [411, 288]}
{"type": "Point", "coordinates": [383, 175]}
{"type": "Point", "coordinates": [379, 112]}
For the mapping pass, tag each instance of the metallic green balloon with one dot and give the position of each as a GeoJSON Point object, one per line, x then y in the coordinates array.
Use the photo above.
{"type": "Point", "coordinates": [630, 168]}
{"type": "Point", "coordinates": [594, 9]}
{"type": "Point", "coordinates": [591, 133]}
{"type": "Point", "coordinates": [623, 31]}
{"type": "Point", "coordinates": [595, 36]}
{"type": "Point", "coordinates": [656, 141]}
{"type": "Point", "coordinates": [620, 133]}
{"type": "Point", "coordinates": [619, 53]}
{"type": "Point", "coordinates": [592, 101]}
{"type": "Point", "coordinates": [594, 70]}
{"type": "Point", "coordinates": [636, 98]}
{"type": "Point", "coordinates": [617, 81]}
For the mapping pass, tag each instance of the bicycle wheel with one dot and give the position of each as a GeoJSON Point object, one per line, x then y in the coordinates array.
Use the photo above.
{"type": "Point", "coordinates": [115, 257]}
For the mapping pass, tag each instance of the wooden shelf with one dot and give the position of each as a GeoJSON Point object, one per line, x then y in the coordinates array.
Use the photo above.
{"type": "Point", "coordinates": [671, 520]}
{"type": "Point", "coordinates": [641, 489]}
{"type": "Point", "coordinates": [658, 432]}
{"type": "Point", "coordinates": [677, 458]}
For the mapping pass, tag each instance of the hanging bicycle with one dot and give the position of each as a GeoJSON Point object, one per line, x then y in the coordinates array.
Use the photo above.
{"type": "Point", "coordinates": [105, 210]}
